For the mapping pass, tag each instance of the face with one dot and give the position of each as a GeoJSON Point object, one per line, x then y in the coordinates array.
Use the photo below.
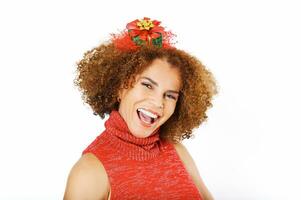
{"type": "Point", "coordinates": [155, 94]}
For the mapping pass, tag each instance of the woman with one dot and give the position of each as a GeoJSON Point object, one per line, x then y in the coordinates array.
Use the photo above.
{"type": "Point", "coordinates": [154, 94]}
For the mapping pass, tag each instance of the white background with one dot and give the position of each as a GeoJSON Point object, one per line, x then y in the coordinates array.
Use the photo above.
{"type": "Point", "coordinates": [249, 147]}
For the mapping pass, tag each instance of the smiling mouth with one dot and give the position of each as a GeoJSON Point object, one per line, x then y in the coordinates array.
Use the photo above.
{"type": "Point", "coordinates": [146, 120]}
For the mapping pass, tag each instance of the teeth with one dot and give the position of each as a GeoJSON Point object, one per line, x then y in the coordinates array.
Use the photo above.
{"type": "Point", "coordinates": [148, 113]}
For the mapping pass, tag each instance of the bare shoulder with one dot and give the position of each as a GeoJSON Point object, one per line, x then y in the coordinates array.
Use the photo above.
{"type": "Point", "coordinates": [87, 180]}
{"type": "Point", "coordinates": [185, 157]}
{"type": "Point", "coordinates": [192, 169]}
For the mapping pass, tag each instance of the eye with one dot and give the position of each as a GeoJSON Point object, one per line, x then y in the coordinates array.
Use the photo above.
{"type": "Point", "coordinates": [170, 96]}
{"type": "Point", "coordinates": [147, 85]}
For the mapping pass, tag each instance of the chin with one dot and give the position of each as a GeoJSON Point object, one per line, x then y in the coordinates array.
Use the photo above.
{"type": "Point", "coordinates": [142, 133]}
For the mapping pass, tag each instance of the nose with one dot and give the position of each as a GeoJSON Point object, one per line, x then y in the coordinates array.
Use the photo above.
{"type": "Point", "coordinates": [158, 101]}
{"type": "Point", "coordinates": [161, 106]}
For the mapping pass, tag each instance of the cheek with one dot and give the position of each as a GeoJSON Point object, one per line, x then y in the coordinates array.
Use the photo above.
{"type": "Point", "coordinates": [170, 108]}
{"type": "Point", "coordinates": [135, 95]}
{"type": "Point", "coordinates": [141, 93]}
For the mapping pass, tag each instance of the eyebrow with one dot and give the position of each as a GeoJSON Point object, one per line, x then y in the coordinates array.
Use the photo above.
{"type": "Point", "coordinates": [156, 84]}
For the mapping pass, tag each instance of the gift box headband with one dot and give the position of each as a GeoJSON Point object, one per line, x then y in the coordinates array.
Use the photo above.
{"type": "Point", "coordinates": [143, 32]}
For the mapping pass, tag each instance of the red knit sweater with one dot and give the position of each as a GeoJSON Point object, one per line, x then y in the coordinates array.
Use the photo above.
{"type": "Point", "coordinates": [141, 168]}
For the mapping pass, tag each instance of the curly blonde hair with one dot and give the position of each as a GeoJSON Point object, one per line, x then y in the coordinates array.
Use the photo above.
{"type": "Point", "coordinates": [104, 70]}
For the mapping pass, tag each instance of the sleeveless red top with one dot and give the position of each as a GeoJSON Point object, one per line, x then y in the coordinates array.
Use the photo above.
{"type": "Point", "coordinates": [141, 168]}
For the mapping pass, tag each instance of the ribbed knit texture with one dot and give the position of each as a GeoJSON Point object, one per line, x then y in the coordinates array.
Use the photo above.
{"type": "Point", "coordinates": [141, 168]}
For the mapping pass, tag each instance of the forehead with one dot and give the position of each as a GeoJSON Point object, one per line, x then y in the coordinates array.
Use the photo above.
{"type": "Point", "coordinates": [163, 73]}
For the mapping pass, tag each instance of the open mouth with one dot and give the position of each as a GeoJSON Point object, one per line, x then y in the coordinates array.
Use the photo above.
{"type": "Point", "coordinates": [147, 120]}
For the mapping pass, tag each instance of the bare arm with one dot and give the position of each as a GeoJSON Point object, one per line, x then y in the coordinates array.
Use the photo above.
{"type": "Point", "coordinates": [87, 180]}
{"type": "Point", "coordinates": [193, 171]}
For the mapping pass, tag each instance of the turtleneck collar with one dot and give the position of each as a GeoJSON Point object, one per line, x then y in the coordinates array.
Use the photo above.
{"type": "Point", "coordinates": [134, 147]}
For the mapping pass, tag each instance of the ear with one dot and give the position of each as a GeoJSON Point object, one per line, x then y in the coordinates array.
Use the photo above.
{"type": "Point", "coordinates": [121, 93]}
{"type": "Point", "coordinates": [122, 90]}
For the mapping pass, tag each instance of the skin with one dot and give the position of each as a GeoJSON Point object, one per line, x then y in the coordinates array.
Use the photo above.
{"type": "Point", "coordinates": [193, 171]}
{"type": "Point", "coordinates": [88, 178]}
{"type": "Point", "coordinates": [156, 96]}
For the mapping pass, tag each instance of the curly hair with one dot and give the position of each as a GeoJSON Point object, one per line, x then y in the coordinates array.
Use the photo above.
{"type": "Point", "coordinates": [104, 70]}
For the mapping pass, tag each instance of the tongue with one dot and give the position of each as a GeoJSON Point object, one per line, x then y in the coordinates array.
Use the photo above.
{"type": "Point", "coordinates": [145, 117]}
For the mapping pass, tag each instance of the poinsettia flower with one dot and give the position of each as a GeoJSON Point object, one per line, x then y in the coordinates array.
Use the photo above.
{"type": "Point", "coordinates": [146, 29]}
{"type": "Point", "coordinates": [140, 32]}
